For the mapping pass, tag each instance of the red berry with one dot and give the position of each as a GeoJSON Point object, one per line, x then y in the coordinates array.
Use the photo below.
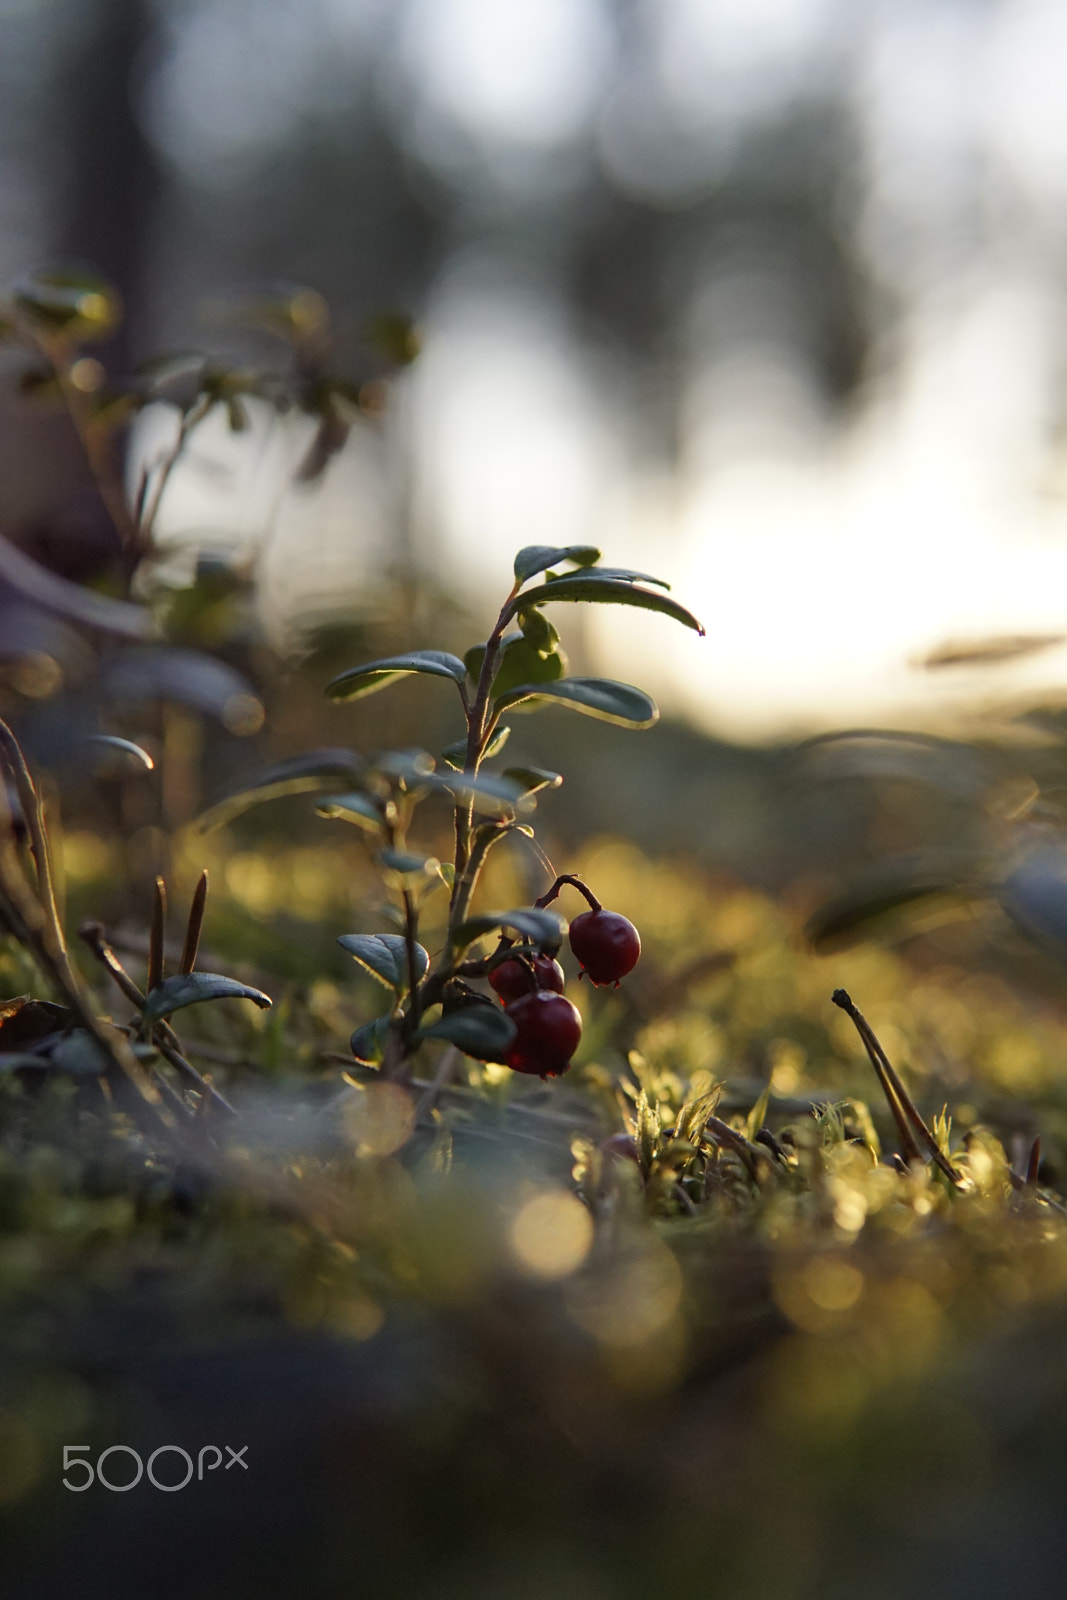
{"type": "Point", "coordinates": [548, 1029]}
{"type": "Point", "coordinates": [514, 978]}
{"type": "Point", "coordinates": [606, 944]}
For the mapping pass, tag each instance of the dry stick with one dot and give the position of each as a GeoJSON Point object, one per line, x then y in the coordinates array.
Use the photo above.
{"type": "Point", "coordinates": [35, 925]}
{"type": "Point", "coordinates": [445, 1068]}
{"type": "Point", "coordinates": [900, 1102]}
{"type": "Point", "coordinates": [910, 1149]}
{"type": "Point", "coordinates": [194, 925]}
{"type": "Point", "coordinates": [163, 1036]}
{"type": "Point", "coordinates": [1033, 1164]}
{"type": "Point", "coordinates": [155, 937]}
{"type": "Point", "coordinates": [30, 802]}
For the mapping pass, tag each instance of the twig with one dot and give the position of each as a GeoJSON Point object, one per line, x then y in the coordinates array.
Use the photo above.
{"type": "Point", "coordinates": [900, 1102]}
{"type": "Point", "coordinates": [162, 1036]}
{"type": "Point", "coordinates": [194, 925]}
{"type": "Point", "coordinates": [445, 1068]}
{"type": "Point", "coordinates": [156, 935]}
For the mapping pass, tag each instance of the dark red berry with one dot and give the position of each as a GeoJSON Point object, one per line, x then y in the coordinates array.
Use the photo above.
{"type": "Point", "coordinates": [606, 944]}
{"type": "Point", "coordinates": [548, 1029]}
{"type": "Point", "coordinates": [514, 978]}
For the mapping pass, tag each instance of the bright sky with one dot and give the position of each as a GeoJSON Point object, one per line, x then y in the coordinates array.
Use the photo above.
{"type": "Point", "coordinates": [823, 558]}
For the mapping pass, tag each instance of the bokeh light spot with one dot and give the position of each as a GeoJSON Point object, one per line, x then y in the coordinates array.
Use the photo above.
{"type": "Point", "coordinates": [552, 1235]}
{"type": "Point", "coordinates": [380, 1118]}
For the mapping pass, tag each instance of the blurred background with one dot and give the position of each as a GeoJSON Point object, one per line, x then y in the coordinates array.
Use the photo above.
{"type": "Point", "coordinates": [767, 298]}
{"type": "Point", "coordinates": [767, 295]}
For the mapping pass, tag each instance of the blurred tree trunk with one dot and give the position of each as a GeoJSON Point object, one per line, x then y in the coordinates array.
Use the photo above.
{"type": "Point", "coordinates": [112, 175]}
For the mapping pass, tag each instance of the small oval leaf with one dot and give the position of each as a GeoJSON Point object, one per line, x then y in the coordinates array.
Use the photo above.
{"type": "Point", "coordinates": [374, 675]}
{"type": "Point", "coordinates": [189, 988]}
{"type": "Point", "coordinates": [596, 697]}
{"type": "Point", "coordinates": [539, 926]}
{"type": "Point", "coordinates": [357, 808]}
{"type": "Point", "coordinates": [494, 794]}
{"type": "Point", "coordinates": [619, 575]}
{"type": "Point", "coordinates": [605, 591]}
{"type": "Point", "coordinates": [456, 754]}
{"type": "Point", "coordinates": [79, 1055]}
{"type": "Point", "coordinates": [80, 305]}
{"type": "Point", "coordinates": [190, 677]}
{"type": "Point", "coordinates": [60, 597]}
{"type": "Point", "coordinates": [533, 779]}
{"type": "Point", "coordinates": [850, 916]}
{"type": "Point", "coordinates": [407, 865]}
{"type": "Point", "coordinates": [301, 774]}
{"type": "Point", "coordinates": [535, 558]}
{"type": "Point", "coordinates": [385, 955]}
{"type": "Point", "coordinates": [479, 1030]}
{"type": "Point", "coordinates": [1034, 895]}
{"type": "Point", "coordinates": [368, 1043]}
{"type": "Point", "coordinates": [522, 663]}
{"type": "Point", "coordinates": [111, 741]}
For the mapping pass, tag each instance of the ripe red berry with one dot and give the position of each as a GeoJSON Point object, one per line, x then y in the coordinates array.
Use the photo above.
{"type": "Point", "coordinates": [514, 978]}
{"type": "Point", "coordinates": [606, 944]}
{"type": "Point", "coordinates": [548, 1029]}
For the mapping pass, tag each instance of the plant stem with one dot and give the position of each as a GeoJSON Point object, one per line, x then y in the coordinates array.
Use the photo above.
{"type": "Point", "coordinates": [148, 509]}
{"type": "Point", "coordinates": [478, 734]}
{"type": "Point", "coordinates": [411, 928]}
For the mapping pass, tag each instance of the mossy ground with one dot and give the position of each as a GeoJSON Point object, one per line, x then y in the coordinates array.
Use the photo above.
{"type": "Point", "coordinates": [478, 1353]}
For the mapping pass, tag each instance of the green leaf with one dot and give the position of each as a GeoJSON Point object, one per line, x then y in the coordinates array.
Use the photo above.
{"type": "Point", "coordinates": [189, 988]}
{"type": "Point", "coordinates": [24, 1061]}
{"type": "Point", "coordinates": [519, 663]}
{"type": "Point", "coordinates": [374, 675]}
{"type": "Point", "coordinates": [406, 865]}
{"type": "Point", "coordinates": [289, 310]}
{"type": "Point", "coordinates": [298, 775]}
{"type": "Point", "coordinates": [409, 768]}
{"type": "Point", "coordinates": [617, 574]}
{"type": "Point", "coordinates": [596, 697]}
{"type": "Point", "coordinates": [368, 1043]}
{"type": "Point", "coordinates": [533, 779]}
{"type": "Point", "coordinates": [539, 926]}
{"type": "Point", "coordinates": [1034, 894]}
{"type": "Point", "coordinates": [850, 916]}
{"type": "Point", "coordinates": [386, 956]}
{"type": "Point", "coordinates": [357, 808]}
{"type": "Point", "coordinates": [77, 304]}
{"type": "Point", "coordinates": [111, 741]}
{"type": "Point", "coordinates": [538, 632]}
{"type": "Point", "coordinates": [493, 794]}
{"type": "Point", "coordinates": [456, 754]}
{"type": "Point", "coordinates": [535, 558]}
{"type": "Point", "coordinates": [480, 1030]}
{"type": "Point", "coordinates": [473, 658]}
{"type": "Point", "coordinates": [605, 591]}
{"type": "Point", "coordinates": [395, 336]}
{"type": "Point", "coordinates": [79, 1055]}
{"type": "Point", "coordinates": [58, 596]}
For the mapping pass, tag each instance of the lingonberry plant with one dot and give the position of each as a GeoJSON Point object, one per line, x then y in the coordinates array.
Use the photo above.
{"type": "Point", "coordinates": [519, 664]}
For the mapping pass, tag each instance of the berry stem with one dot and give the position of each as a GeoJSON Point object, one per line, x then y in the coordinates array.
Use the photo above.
{"type": "Point", "coordinates": [575, 883]}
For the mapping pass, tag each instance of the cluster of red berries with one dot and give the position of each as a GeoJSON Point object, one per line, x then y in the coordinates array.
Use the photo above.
{"type": "Point", "coordinates": [548, 1027]}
